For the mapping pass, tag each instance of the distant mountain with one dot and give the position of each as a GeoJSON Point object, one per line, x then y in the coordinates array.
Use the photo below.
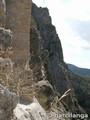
{"type": "Point", "coordinates": [78, 70]}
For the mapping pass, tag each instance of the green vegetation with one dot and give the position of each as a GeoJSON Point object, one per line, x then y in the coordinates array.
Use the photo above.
{"type": "Point", "coordinates": [87, 78]}
{"type": "Point", "coordinates": [79, 71]}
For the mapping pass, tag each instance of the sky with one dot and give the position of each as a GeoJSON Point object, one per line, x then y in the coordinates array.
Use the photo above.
{"type": "Point", "coordinates": [72, 21]}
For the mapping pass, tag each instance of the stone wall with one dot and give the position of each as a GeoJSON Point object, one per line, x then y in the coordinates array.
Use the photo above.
{"type": "Point", "coordinates": [2, 13]}
{"type": "Point", "coordinates": [18, 20]}
{"type": "Point", "coordinates": [15, 18]}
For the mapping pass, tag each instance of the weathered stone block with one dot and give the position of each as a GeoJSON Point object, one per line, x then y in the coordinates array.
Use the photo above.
{"type": "Point", "coordinates": [8, 102]}
{"type": "Point", "coordinates": [25, 85]}
{"type": "Point", "coordinates": [2, 13]}
{"type": "Point", "coordinates": [5, 38]}
{"type": "Point", "coordinates": [18, 20]}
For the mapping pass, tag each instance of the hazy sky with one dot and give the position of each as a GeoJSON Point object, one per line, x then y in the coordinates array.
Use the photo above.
{"type": "Point", "coordinates": [72, 21]}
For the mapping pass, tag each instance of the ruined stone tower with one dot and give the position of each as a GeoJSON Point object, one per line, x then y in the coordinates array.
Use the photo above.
{"type": "Point", "coordinates": [18, 21]}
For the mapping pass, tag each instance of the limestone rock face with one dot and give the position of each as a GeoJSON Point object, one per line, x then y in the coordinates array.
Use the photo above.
{"type": "Point", "coordinates": [34, 111]}
{"type": "Point", "coordinates": [44, 76]}
{"type": "Point", "coordinates": [25, 85]}
{"type": "Point", "coordinates": [52, 50]}
{"type": "Point", "coordinates": [18, 20]}
{"type": "Point", "coordinates": [2, 13]}
{"type": "Point", "coordinates": [7, 74]}
{"type": "Point", "coordinates": [44, 93]}
{"type": "Point", "coordinates": [8, 102]}
{"type": "Point", "coordinates": [56, 70]}
{"type": "Point", "coordinates": [51, 41]}
{"type": "Point", "coordinates": [42, 18]}
{"type": "Point", "coordinates": [5, 38]}
{"type": "Point", "coordinates": [35, 53]}
{"type": "Point", "coordinates": [6, 66]}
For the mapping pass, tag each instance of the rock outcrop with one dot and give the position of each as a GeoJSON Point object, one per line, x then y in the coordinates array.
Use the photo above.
{"type": "Point", "coordinates": [32, 66]}
{"type": "Point", "coordinates": [52, 55]}
{"type": "Point", "coordinates": [25, 86]}
{"type": "Point", "coordinates": [14, 49]}
{"type": "Point", "coordinates": [5, 42]}
{"type": "Point", "coordinates": [2, 13]}
{"type": "Point", "coordinates": [18, 21]}
{"type": "Point", "coordinates": [56, 71]}
{"type": "Point", "coordinates": [8, 102]}
{"type": "Point", "coordinates": [34, 111]}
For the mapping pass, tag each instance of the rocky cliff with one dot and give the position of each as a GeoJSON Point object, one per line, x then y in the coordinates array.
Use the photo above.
{"type": "Point", "coordinates": [32, 66]}
{"type": "Point", "coordinates": [82, 90]}
{"type": "Point", "coordinates": [56, 71]}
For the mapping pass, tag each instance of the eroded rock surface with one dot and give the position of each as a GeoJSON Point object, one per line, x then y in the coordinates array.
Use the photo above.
{"type": "Point", "coordinates": [18, 20]}
{"type": "Point", "coordinates": [34, 111]}
{"type": "Point", "coordinates": [52, 56]}
{"type": "Point", "coordinates": [8, 102]}
{"type": "Point", "coordinates": [5, 42]}
{"type": "Point", "coordinates": [2, 13]}
{"type": "Point", "coordinates": [25, 86]}
{"type": "Point", "coordinates": [47, 78]}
